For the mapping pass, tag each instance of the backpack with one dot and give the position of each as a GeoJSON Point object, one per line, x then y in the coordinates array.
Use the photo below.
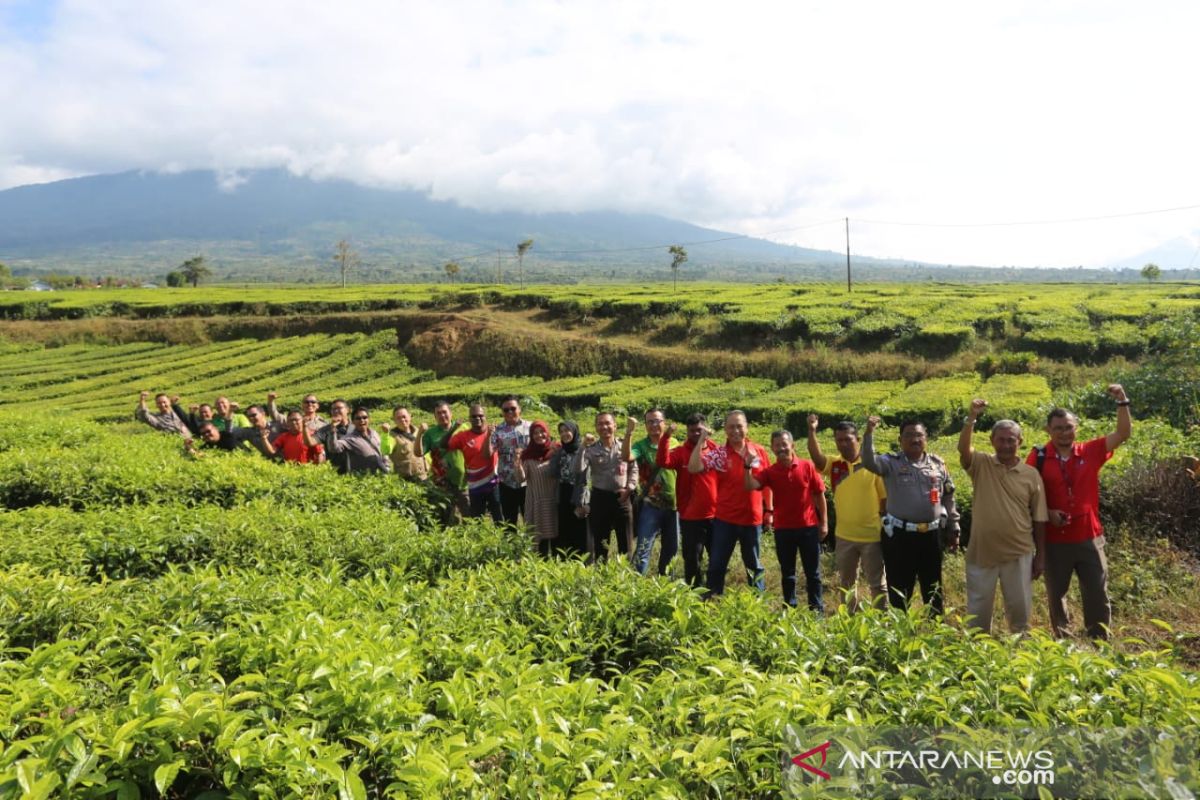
{"type": "Point", "coordinates": [1040, 450]}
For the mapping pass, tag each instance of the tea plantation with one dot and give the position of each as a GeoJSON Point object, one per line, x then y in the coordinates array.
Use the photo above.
{"type": "Point", "coordinates": [230, 627]}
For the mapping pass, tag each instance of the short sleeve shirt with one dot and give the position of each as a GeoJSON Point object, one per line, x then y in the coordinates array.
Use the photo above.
{"type": "Point", "coordinates": [1073, 487]}
{"type": "Point", "coordinates": [481, 469]}
{"type": "Point", "coordinates": [856, 495]}
{"type": "Point", "coordinates": [506, 440]}
{"type": "Point", "coordinates": [735, 505]}
{"type": "Point", "coordinates": [795, 487]}
{"type": "Point", "coordinates": [1006, 503]}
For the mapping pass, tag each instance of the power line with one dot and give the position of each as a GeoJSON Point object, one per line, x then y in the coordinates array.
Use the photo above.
{"type": "Point", "coordinates": [1068, 220]}
{"type": "Point", "coordinates": [701, 242]}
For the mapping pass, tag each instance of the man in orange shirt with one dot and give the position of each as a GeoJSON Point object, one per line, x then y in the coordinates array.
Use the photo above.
{"type": "Point", "coordinates": [483, 486]}
{"type": "Point", "coordinates": [740, 513]}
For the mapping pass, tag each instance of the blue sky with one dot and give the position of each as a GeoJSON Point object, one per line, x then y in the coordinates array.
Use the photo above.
{"type": "Point", "coordinates": [26, 20]}
{"type": "Point", "coordinates": [926, 122]}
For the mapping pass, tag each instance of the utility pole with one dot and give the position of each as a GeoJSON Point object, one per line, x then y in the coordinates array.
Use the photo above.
{"type": "Point", "coordinates": [849, 287]}
{"type": "Point", "coordinates": [499, 276]}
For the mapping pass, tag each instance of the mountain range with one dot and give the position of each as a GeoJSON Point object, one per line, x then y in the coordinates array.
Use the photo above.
{"type": "Point", "coordinates": [274, 225]}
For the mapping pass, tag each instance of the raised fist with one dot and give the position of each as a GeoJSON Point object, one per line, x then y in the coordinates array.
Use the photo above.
{"type": "Point", "coordinates": [813, 422]}
{"type": "Point", "coordinates": [1117, 392]}
{"type": "Point", "coordinates": [424, 426]}
{"type": "Point", "coordinates": [174, 399]}
{"type": "Point", "coordinates": [671, 428]}
{"type": "Point", "coordinates": [271, 397]}
{"type": "Point", "coordinates": [143, 394]}
{"type": "Point", "coordinates": [630, 426]}
{"type": "Point", "coordinates": [873, 422]}
{"type": "Point", "coordinates": [589, 439]}
{"type": "Point", "coordinates": [977, 406]}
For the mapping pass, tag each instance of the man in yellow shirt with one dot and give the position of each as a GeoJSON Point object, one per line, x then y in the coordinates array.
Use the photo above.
{"type": "Point", "coordinates": [859, 497]}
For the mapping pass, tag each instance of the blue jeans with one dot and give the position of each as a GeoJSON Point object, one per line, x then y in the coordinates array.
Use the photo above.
{"type": "Point", "coordinates": [650, 521]}
{"type": "Point", "coordinates": [724, 536]}
{"type": "Point", "coordinates": [808, 542]}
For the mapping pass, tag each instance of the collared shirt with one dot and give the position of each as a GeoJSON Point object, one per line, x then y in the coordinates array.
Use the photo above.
{"type": "Point", "coordinates": [1006, 503]}
{"type": "Point", "coordinates": [736, 504]}
{"type": "Point", "coordinates": [856, 495]}
{"type": "Point", "coordinates": [606, 469]}
{"type": "Point", "coordinates": [506, 440]}
{"type": "Point", "coordinates": [696, 494]}
{"type": "Point", "coordinates": [361, 451]}
{"type": "Point", "coordinates": [1073, 487]}
{"type": "Point", "coordinates": [910, 484]}
{"type": "Point", "coordinates": [795, 488]}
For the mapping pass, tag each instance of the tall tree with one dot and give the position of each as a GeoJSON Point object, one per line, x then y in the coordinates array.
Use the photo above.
{"type": "Point", "coordinates": [1151, 272]}
{"type": "Point", "coordinates": [522, 249]}
{"type": "Point", "coordinates": [678, 259]}
{"type": "Point", "coordinates": [194, 270]}
{"type": "Point", "coordinates": [345, 258]}
{"type": "Point", "coordinates": [452, 269]}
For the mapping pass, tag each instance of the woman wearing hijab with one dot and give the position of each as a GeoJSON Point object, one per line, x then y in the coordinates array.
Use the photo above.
{"type": "Point", "coordinates": [572, 528]}
{"type": "Point", "coordinates": [535, 466]}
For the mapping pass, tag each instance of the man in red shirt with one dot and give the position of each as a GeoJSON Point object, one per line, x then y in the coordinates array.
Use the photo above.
{"type": "Point", "coordinates": [483, 486]}
{"type": "Point", "coordinates": [297, 443]}
{"type": "Point", "coordinates": [801, 514]}
{"type": "Point", "coordinates": [695, 495]}
{"type": "Point", "coordinates": [739, 513]}
{"type": "Point", "coordinates": [1074, 535]}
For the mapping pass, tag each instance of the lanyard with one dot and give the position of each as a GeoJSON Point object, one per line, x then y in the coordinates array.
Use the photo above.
{"type": "Point", "coordinates": [1067, 471]}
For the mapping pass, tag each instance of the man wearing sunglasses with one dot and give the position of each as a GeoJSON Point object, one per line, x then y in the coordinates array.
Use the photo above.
{"type": "Point", "coordinates": [508, 440]}
{"type": "Point", "coordinates": [360, 446]}
{"type": "Point", "coordinates": [309, 408]}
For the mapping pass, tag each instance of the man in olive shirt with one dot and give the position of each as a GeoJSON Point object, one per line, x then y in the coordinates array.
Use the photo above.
{"type": "Point", "coordinates": [920, 507]}
{"type": "Point", "coordinates": [1008, 525]}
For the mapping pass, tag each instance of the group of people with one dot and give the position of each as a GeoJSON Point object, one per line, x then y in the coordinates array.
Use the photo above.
{"type": "Point", "coordinates": [894, 513]}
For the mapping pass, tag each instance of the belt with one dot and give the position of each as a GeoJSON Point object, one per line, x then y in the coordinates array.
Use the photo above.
{"type": "Point", "coordinates": [914, 527]}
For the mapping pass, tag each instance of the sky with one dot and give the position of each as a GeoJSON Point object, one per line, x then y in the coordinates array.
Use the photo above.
{"type": "Point", "coordinates": [937, 128]}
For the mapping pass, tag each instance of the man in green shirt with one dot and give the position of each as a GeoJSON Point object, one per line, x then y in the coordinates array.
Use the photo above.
{"type": "Point", "coordinates": [449, 470]}
{"type": "Point", "coordinates": [656, 495]}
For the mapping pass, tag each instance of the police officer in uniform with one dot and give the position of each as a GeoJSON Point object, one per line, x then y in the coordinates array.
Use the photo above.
{"type": "Point", "coordinates": [920, 514]}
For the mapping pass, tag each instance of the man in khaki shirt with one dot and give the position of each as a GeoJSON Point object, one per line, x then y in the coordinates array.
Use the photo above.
{"type": "Point", "coordinates": [1008, 525]}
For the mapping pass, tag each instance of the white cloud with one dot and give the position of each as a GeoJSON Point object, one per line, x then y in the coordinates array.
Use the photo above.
{"type": "Point", "coordinates": [770, 117]}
